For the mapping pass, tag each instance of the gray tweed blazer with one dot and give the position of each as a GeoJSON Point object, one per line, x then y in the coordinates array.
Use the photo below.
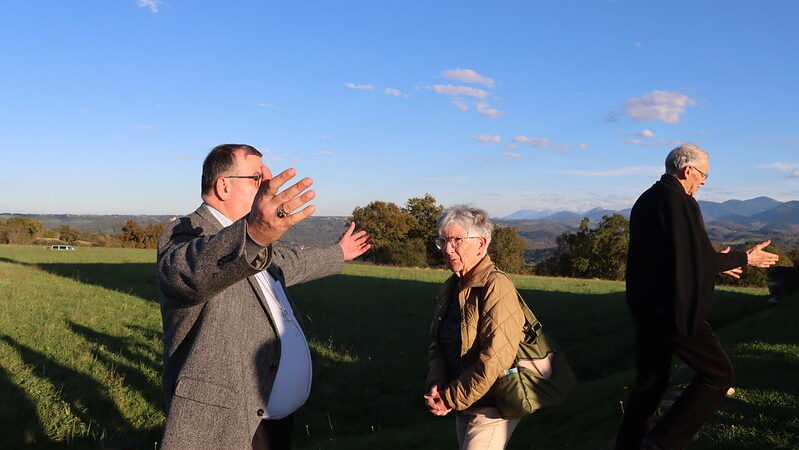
{"type": "Point", "coordinates": [220, 348]}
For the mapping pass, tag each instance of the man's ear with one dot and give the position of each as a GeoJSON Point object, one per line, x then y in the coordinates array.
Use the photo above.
{"type": "Point", "coordinates": [684, 172]}
{"type": "Point", "coordinates": [222, 188]}
{"type": "Point", "coordinates": [483, 245]}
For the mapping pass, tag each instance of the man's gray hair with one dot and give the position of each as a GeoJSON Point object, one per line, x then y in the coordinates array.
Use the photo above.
{"type": "Point", "coordinates": [474, 220]}
{"type": "Point", "coordinates": [683, 156]}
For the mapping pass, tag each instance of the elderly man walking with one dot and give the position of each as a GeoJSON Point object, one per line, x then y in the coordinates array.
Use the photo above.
{"type": "Point", "coordinates": [671, 272]}
{"type": "Point", "coordinates": [236, 362]}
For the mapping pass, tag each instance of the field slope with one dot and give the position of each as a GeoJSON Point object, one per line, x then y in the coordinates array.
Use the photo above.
{"type": "Point", "coordinates": [80, 358]}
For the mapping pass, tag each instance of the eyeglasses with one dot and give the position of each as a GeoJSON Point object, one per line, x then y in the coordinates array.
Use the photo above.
{"type": "Point", "coordinates": [455, 242]}
{"type": "Point", "coordinates": [256, 178]}
{"type": "Point", "coordinates": [704, 175]}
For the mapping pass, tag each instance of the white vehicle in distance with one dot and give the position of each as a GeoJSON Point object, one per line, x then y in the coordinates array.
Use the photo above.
{"type": "Point", "coordinates": [61, 247]}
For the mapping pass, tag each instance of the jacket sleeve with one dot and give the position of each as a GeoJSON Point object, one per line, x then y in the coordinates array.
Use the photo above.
{"type": "Point", "coordinates": [731, 260]}
{"type": "Point", "coordinates": [193, 267]}
{"type": "Point", "coordinates": [437, 373]}
{"type": "Point", "coordinates": [499, 332]}
{"type": "Point", "coordinates": [302, 265]}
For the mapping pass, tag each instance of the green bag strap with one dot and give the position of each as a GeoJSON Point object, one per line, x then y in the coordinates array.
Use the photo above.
{"type": "Point", "coordinates": [531, 324]}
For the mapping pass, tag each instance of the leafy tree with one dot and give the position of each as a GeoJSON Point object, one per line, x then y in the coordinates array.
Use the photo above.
{"type": "Point", "coordinates": [407, 253]}
{"type": "Point", "coordinates": [591, 253]}
{"type": "Point", "coordinates": [152, 232]}
{"type": "Point", "coordinates": [388, 225]}
{"type": "Point", "coordinates": [424, 213]}
{"type": "Point", "coordinates": [22, 230]}
{"type": "Point", "coordinates": [68, 234]}
{"type": "Point", "coordinates": [507, 249]}
{"type": "Point", "coordinates": [610, 241]}
{"type": "Point", "coordinates": [133, 235]}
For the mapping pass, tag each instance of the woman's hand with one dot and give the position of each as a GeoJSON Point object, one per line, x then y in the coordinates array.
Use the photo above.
{"type": "Point", "coordinates": [434, 402]}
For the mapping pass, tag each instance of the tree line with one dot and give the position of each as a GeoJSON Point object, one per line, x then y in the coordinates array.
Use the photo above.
{"type": "Point", "coordinates": [24, 230]}
{"type": "Point", "coordinates": [601, 252]}
{"type": "Point", "coordinates": [406, 236]}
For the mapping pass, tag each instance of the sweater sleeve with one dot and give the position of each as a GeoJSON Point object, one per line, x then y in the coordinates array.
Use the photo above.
{"type": "Point", "coordinates": [731, 260]}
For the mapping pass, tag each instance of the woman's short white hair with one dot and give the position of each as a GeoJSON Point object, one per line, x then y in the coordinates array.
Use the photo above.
{"type": "Point", "coordinates": [475, 221]}
{"type": "Point", "coordinates": [683, 156]}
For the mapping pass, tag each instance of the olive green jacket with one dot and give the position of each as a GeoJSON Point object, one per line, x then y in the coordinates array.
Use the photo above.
{"type": "Point", "coordinates": [491, 329]}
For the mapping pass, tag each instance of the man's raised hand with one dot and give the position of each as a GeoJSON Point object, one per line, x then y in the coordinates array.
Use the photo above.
{"type": "Point", "coordinates": [354, 244]}
{"type": "Point", "coordinates": [273, 212]}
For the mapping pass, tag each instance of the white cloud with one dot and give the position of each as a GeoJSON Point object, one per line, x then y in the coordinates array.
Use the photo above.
{"type": "Point", "coordinates": [646, 134]}
{"type": "Point", "coordinates": [324, 137]}
{"type": "Point", "coordinates": [450, 89]}
{"type": "Point", "coordinates": [483, 138]}
{"type": "Point", "coordinates": [488, 110]}
{"type": "Point", "coordinates": [142, 127]}
{"type": "Point", "coordinates": [467, 76]}
{"type": "Point", "coordinates": [151, 4]}
{"type": "Point", "coordinates": [324, 152]}
{"type": "Point", "coordinates": [583, 146]}
{"type": "Point", "coordinates": [394, 92]}
{"type": "Point", "coordinates": [84, 110]}
{"type": "Point", "coordinates": [658, 143]}
{"type": "Point", "coordinates": [365, 87]}
{"type": "Point", "coordinates": [561, 146]}
{"type": "Point", "coordinates": [638, 44]}
{"type": "Point", "coordinates": [460, 104]}
{"type": "Point", "coordinates": [781, 166]}
{"type": "Point", "coordinates": [624, 171]}
{"type": "Point", "coordinates": [266, 105]}
{"type": "Point", "coordinates": [534, 141]}
{"type": "Point", "coordinates": [794, 174]}
{"type": "Point", "coordinates": [513, 155]}
{"type": "Point", "coordinates": [511, 147]}
{"type": "Point", "coordinates": [665, 106]}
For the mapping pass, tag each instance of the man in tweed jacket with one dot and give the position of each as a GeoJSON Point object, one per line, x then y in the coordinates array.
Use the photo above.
{"type": "Point", "coordinates": [226, 322]}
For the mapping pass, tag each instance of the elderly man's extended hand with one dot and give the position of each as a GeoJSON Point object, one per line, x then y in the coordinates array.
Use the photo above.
{"type": "Point", "coordinates": [755, 256]}
{"type": "Point", "coordinates": [354, 244]}
{"type": "Point", "coordinates": [264, 225]}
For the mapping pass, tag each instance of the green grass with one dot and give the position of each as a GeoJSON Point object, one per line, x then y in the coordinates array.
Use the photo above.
{"type": "Point", "coordinates": [80, 357]}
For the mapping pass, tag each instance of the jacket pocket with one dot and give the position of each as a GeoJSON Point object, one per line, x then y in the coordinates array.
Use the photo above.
{"type": "Point", "coordinates": [206, 393]}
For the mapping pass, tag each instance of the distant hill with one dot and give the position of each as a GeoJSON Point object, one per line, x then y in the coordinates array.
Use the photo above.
{"type": "Point", "coordinates": [98, 224]}
{"type": "Point", "coordinates": [713, 210]}
{"type": "Point", "coordinates": [786, 212]}
{"type": "Point", "coordinates": [313, 231]}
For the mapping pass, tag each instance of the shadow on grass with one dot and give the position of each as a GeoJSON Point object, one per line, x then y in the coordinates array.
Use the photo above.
{"type": "Point", "coordinates": [19, 421]}
{"type": "Point", "coordinates": [133, 354]}
{"type": "Point", "coordinates": [136, 279]}
{"type": "Point", "coordinates": [370, 336]}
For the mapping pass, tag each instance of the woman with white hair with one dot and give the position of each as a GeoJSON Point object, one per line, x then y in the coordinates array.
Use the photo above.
{"type": "Point", "coordinates": [475, 333]}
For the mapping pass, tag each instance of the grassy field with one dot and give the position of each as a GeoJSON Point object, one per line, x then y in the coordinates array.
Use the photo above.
{"type": "Point", "coordinates": [80, 358]}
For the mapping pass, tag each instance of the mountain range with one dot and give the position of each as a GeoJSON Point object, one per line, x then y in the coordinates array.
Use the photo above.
{"type": "Point", "coordinates": [729, 222]}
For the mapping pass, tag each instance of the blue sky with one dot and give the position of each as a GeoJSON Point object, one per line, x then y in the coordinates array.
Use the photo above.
{"type": "Point", "coordinates": [109, 107]}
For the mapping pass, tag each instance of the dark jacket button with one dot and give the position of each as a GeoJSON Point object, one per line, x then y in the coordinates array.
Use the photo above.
{"type": "Point", "coordinates": [260, 412]}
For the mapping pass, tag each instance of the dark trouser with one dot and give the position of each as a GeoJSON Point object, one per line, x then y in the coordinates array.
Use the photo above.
{"type": "Point", "coordinates": [273, 434]}
{"type": "Point", "coordinates": [703, 353]}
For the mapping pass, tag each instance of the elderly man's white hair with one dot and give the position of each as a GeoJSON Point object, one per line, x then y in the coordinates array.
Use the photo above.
{"type": "Point", "coordinates": [683, 156]}
{"type": "Point", "coordinates": [475, 221]}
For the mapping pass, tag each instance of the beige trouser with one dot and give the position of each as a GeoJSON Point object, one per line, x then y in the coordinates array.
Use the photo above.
{"type": "Point", "coordinates": [483, 428]}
